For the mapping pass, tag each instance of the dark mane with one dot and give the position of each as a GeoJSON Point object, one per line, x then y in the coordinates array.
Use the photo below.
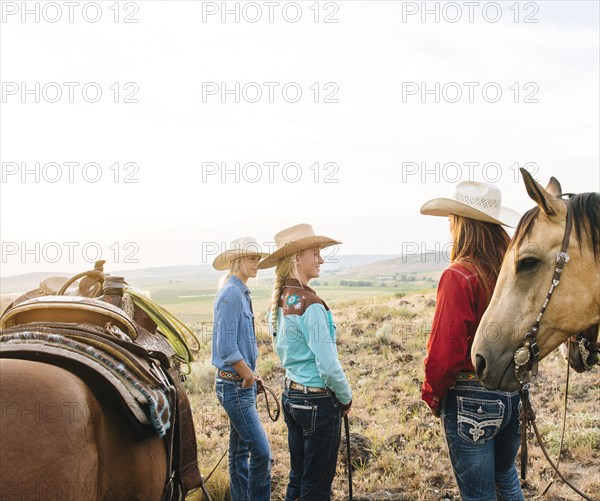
{"type": "Point", "coordinates": [586, 220]}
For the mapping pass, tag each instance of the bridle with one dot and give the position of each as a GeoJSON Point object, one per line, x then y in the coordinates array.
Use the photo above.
{"type": "Point", "coordinates": [528, 356]}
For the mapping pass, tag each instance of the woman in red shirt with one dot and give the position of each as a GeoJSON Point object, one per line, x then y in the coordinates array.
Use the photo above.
{"type": "Point", "coordinates": [481, 426]}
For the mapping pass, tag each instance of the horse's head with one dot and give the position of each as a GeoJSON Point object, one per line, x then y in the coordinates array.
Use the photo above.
{"type": "Point", "coordinates": [525, 279]}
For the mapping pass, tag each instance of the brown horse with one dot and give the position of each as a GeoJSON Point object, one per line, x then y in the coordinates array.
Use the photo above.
{"type": "Point", "coordinates": [61, 440]}
{"type": "Point", "coordinates": [525, 279]}
{"type": "Point", "coordinates": [87, 389]}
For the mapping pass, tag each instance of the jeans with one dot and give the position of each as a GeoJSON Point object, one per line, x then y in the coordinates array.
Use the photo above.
{"type": "Point", "coordinates": [249, 480]}
{"type": "Point", "coordinates": [314, 424]}
{"type": "Point", "coordinates": [483, 435]}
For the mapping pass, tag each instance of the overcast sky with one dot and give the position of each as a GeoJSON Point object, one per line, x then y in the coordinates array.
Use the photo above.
{"type": "Point", "coordinates": [411, 97]}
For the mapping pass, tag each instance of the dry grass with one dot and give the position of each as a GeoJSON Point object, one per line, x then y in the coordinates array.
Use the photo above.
{"type": "Point", "coordinates": [382, 345]}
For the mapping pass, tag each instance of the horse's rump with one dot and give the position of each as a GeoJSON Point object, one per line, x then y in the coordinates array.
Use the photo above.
{"type": "Point", "coordinates": [134, 387]}
{"type": "Point", "coordinates": [61, 440]}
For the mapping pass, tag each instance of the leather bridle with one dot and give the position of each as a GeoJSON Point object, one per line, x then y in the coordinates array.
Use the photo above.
{"type": "Point", "coordinates": [528, 354]}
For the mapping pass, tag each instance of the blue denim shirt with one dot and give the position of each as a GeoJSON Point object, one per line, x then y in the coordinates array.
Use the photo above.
{"type": "Point", "coordinates": [233, 329]}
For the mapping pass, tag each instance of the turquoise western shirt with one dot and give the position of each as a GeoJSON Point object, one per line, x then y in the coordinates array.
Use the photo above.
{"type": "Point", "coordinates": [306, 341]}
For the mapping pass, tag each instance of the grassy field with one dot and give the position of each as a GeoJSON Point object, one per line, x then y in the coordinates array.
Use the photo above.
{"type": "Point", "coordinates": [381, 343]}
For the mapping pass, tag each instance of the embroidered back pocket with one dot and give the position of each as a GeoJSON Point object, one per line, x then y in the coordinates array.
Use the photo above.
{"type": "Point", "coordinates": [478, 420]}
{"type": "Point", "coordinates": [305, 415]}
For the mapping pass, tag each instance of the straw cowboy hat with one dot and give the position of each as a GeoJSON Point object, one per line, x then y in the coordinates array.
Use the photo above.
{"type": "Point", "coordinates": [293, 240]}
{"type": "Point", "coordinates": [480, 201]}
{"type": "Point", "coordinates": [240, 247]}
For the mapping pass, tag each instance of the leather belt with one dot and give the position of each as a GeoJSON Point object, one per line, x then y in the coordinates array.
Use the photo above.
{"type": "Point", "coordinates": [467, 376]}
{"type": "Point", "coordinates": [230, 376]}
{"type": "Point", "coordinates": [305, 389]}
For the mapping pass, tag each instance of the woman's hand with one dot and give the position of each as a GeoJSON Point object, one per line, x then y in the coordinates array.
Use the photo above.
{"type": "Point", "coordinates": [245, 372]}
{"type": "Point", "coordinates": [346, 408]}
{"type": "Point", "coordinates": [435, 407]}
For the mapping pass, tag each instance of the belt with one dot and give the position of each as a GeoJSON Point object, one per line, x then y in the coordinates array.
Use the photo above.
{"type": "Point", "coordinates": [306, 389]}
{"type": "Point", "coordinates": [231, 376]}
{"type": "Point", "coordinates": [467, 376]}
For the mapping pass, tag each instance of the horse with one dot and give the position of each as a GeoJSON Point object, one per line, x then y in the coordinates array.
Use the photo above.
{"type": "Point", "coordinates": [64, 438]}
{"type": "Point", "coordinates": [91, 399]}
{"type": "Point", "coordinates": [556, 242]}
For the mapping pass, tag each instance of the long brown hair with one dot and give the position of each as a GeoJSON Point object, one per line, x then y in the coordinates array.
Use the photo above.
{"type": "Point", "coordinates": [480, 247]}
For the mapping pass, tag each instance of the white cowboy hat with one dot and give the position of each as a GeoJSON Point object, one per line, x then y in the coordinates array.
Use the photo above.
{"type": "Point", "coordinates": [293, 240]}
{"type": "Point", "coordinates": [240, 247]}
{"type": "Point", "coordinates": [480, 201]}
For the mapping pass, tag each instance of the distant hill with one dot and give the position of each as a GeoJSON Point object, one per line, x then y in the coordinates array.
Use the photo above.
{"type": "Point", "coordinates": [204, 276]}
{"type": "Point", "coordinates": [26, 282]}
{"type": "Point", "coordinates": [431, 265]}
{"type": "Point", "coordinates": [198, 275]}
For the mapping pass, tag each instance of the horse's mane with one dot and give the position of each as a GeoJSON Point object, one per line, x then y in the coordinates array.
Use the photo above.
{"type": "Point", "coordinates": [586, 220]}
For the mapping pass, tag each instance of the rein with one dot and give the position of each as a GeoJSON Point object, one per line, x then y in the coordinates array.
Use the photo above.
{"type": "Point", "coordinates": [527, 356]}
{"type": "Point", "coordinates": [266, 391]}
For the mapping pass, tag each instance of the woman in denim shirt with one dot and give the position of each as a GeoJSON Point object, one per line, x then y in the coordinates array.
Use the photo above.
{"type": "Point", "coordinates": [234, 354]}
{"type": "Point", "coordinates": [316, 394]}
{"type": "Point", "coordinates": [481, 426]}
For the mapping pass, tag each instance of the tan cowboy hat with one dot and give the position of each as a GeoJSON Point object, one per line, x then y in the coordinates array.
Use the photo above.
{"type": "Point", "coordinates": [475, 200]}
{"type": "Point", "coordinates": [240, 247]}
{"type": "Point", "coordinates": [293, 240]}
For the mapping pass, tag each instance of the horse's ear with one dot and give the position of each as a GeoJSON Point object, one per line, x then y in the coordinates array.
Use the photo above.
{"type": "Point", "coordinates": [549, 203]}
{"type": "Point", "coordinates": [554, 187]}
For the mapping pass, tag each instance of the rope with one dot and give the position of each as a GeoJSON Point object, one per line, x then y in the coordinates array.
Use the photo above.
{"type": "Point", "coordinates": [527, 405]}
{"type": "Point", "coordinates": [347, 428]}
{"type": "Point", "coordinates": [265, 390]}
{"type": "Point", "coordinates": [169, 326]}
{"type": "Point", "coordinates": [564, 422]}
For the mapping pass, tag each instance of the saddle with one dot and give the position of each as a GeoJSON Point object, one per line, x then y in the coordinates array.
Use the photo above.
{"type": "Point", "coordinates": [119, 344]}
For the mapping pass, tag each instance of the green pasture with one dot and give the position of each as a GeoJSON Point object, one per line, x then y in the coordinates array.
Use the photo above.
{"type": "Point", "coordinates": [193, 303]}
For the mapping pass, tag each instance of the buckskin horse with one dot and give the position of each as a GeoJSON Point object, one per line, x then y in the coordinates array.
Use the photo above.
{"type": "Point", "coordinates": [530, 314]}
{"type": "Point", "coordinates": [91, 397]}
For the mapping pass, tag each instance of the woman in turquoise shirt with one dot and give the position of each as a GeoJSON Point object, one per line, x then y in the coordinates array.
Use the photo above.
{"type": "Point", "coordinates": [234, 354]}
{"type": "Point", "coordinates": [317, 394]}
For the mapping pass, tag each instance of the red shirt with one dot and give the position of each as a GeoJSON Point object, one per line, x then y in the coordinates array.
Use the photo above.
{"type": "Point", "coordinates": [461, 302]}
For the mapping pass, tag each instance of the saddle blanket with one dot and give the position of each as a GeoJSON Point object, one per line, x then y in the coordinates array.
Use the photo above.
{"type": "Point", "coordinates": [142, 386]}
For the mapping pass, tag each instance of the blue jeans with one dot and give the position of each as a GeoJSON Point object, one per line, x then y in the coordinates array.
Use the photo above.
{"type": "Point", "coordinates": [483, 435]}
{"type": "Point", "coordinates": [249, 480]}
{"type": "Point", "coordinates": [314, 424]}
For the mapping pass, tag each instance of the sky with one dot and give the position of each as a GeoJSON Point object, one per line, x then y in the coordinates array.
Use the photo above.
{"type": "Point", "coordinates": [152, 133]}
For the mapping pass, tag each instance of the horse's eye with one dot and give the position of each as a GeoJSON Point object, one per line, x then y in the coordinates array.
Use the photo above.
{"type": "Point", "coordinates": [527, 264]}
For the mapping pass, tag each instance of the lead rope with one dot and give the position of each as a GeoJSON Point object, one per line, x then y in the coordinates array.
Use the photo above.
{"type": "Point", "coordinates": [538, 436]}
{"type": "Point", "coordinates": [265, 390]}
{"type": "Point", "coordinates": [349, 462]}
{"type": "Point", "coordinates": [564, 422]}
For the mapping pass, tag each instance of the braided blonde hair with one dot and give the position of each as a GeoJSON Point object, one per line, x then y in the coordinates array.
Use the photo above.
{"type": "Point", "coordinates": [285, 268]}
